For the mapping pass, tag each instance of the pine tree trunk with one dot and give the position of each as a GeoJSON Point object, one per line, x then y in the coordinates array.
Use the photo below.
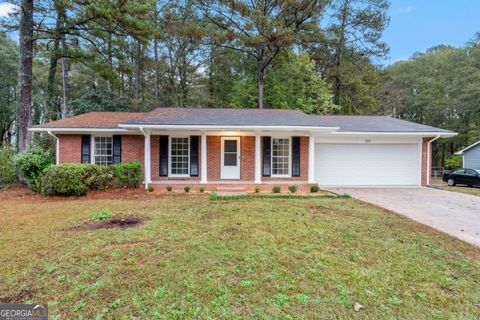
{"type": "Point", "coordinates": [110, 61]}
{"type": "Point", "coordinates": [260, 78]}
{"type": "Point", "coordinates": [25, 74]}
{"type": "Point", "coordinates": [52, 72]}
{"type": "Point", "coordinates": [157, 70]}
{"type": "Point", "coordinates": [138, 73]}
{"type": "Point", "coordinates": [64, 80]}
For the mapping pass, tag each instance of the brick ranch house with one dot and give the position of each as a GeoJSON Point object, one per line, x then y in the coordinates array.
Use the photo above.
{"type": "Point", "coordinates": [251, 147]}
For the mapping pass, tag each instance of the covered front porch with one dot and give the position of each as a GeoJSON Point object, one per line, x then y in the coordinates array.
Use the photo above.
{"type": "Point", "coordinates": [234, 157]}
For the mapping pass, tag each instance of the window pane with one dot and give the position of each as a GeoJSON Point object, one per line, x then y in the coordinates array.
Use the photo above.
{"type": "Point", "coordinates": [230, 159]}
{"type": "Point", "coordinates": [280, 156]}
{"type": "Point", "coordinates": [179, 149]}
{"type": "Point", "coordinates": [230, 145]}
{"type": "Point", "coordinates": [103, 150]}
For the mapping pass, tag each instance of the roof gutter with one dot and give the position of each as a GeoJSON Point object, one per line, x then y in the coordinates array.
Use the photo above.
{"type": "Point", "coordinates": [429, 159]}
{"type": "Point", "coordinates": [397, 133]}
{"type": "Point", "coordinates": [227, 127]}
{"type": "Point", "coordinates": [77, 130]}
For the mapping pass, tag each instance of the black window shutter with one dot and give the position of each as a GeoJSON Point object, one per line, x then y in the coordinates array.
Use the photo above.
{"type": "Point", "coordinates": [85, 150]}
{"type": "Point", "coordinates": [267, 158]}
{"type": "Point", "coordinates": [194, 156]}
{"type": "Point", "coordinates": [163, 156]}
{"type": "Point", "coordinates": [117, 149]}
{"type": "Point", "coordinates": [295, 156]}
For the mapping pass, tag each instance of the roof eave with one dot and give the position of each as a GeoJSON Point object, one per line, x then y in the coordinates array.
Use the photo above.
{"type": "Point", "coordinates": [228, 127]}
{"type": "Point", "coordinates": [467, 148]}
{"type": "Point", "coordinates": [400, 133]}
{"type": "Point", "coordinates": [76, 130]}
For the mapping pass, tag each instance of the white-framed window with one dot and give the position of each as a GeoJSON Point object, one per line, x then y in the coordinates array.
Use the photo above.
{"type": "Point", "coordinates": [103, 150]}
{"type": "Point", "coordinates": [281, 157]}
{"type": "Point", "coordinates": [179, 156]}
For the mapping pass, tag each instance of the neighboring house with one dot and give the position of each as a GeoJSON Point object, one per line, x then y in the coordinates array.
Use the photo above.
{"type": "Point", "coordinates": [251, 146]}
{"type": "Point", "coordinates": [471, 156]}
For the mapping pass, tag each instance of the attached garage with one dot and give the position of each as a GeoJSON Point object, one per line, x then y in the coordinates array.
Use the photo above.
{"type": "Point", "coordinates": [355, 164]}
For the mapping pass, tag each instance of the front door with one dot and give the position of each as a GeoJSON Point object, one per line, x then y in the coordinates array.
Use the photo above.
{"type": "Point", "coordinates": [230, 166]}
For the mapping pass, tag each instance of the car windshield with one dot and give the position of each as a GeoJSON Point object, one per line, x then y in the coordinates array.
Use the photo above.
{"type": "Point", "coordinates": [477, 170]}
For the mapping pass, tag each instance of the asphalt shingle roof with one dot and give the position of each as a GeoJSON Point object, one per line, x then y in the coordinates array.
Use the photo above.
{"type": "Point", "coordinates": [239, 117]}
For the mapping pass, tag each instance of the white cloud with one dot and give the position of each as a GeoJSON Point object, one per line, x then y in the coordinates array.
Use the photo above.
{"type": "Point", "coordinates": [7, 8]}
{"type": "Point", "coordinates": [403, 10]}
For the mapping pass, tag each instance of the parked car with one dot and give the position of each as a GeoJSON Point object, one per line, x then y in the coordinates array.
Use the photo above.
{"type": "Point", "coordinates": [470, 177]}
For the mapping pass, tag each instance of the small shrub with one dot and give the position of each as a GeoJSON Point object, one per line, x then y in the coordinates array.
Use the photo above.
{"type": "Point", "coordinates": [150, 189]}
{"type": "Point", "coordinates": [99, 216]}
{"type": "Point", "coordinates": [201, 189]}
{"type": "Point", "coordinates": [7, 165]}
{"type": "Point", "coordinates": [257, 189]}
{"type": "Point", "coordinates": [31, 163]}
{"type": "Point", "coordinates": [65, 180]}
{"type": "Point", "coordinates": [314, 189]}
{"type": "Point", "coordinates": [292, 188]}
{"type": "Point", "coordinates": [454, 162]}
{"type": "Point", "coordinates": [276, 189]}
{"type": "Point", "coordinates": [128, 174]}
{"type": "Point", "coordinates": [187, 189]}
{"type": "Point", "coordinates": [99, 177]}
{"type": "Point", "coordinates": [169, 188]}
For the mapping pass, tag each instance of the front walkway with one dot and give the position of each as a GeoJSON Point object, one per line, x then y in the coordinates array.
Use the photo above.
{"type": "Point", "coordinates": [453, 213]}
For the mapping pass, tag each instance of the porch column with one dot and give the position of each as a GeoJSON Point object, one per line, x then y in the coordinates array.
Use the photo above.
{"type": "Point", "coordinates": [311, 159]}
{"type": "Point", "coordinates": [258, 165]}
{"type": "Point", "coordinates": [203, 159]}
{"type": "Point", "coordinates": [147, 161]}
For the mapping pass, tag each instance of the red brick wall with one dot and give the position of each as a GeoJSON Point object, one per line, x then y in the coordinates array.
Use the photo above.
{"type": "Point", "coordinates": [70, 148]}
{"type": "Point", "coordinates": [132, 149]}
{"type": "Point", "coordinates": [425, 160]}
{"type": "Point", "coordinates": [303, 163]}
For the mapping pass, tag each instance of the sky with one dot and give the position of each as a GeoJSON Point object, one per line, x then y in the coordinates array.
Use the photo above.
{"type": "Point", "coordinates": [416, 25]}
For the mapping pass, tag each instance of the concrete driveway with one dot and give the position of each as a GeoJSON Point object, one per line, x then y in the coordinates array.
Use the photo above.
{"type": "Point", "coordinates": [454, 213]}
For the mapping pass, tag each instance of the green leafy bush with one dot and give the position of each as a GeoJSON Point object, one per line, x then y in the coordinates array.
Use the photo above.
{"type": "Point", "coordinates": [7, 165]}
{"type": "Point", "coordinates": [276, 189]}
{"type": "Point", "coordinates": [454, 162]}
{"type": "Point", "coordinates": [292, 188]}
{"type": "Point", "coordinates": [99, 216]}
{"type": "Point", "coordinates": [201, 189]}
{"type": "Point", "coordinates": [314, 189]}
{"type": "Point", "coordinates": [99, 177]}
{"type": "Point", "coordinates": [31, 163]}
{"type": "Point", "coordinates": [150, 189]}
{"type": "Point", "coordinates": [64, 180]}
{"type": "Point", "coordinates": [169, 188]}
{"type": "Point", "coordinates": [187, 189]}
{"type": "Point", "coordinates": [128, 174]}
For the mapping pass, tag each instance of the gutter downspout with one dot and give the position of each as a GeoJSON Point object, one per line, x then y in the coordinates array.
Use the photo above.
{"type": "Point", "coordinates": [57, 147]}
{"type": "Point", "coordinates": [429, 159]}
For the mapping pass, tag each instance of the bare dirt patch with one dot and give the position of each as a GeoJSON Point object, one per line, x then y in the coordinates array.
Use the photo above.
{"type": "Point", "coordinates": [119, 222]}
{"type": "Point", "coordinates": [17, 297]}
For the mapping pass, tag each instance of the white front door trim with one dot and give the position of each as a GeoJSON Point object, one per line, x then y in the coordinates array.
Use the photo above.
{"type": "Point", "coordinates": [230, 172]}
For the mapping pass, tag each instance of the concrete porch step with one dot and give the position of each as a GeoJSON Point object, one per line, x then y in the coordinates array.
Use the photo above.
{"type": "Point", "coordinates": [230, 190]}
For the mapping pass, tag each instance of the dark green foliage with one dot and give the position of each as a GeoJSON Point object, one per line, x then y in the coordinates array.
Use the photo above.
{"type": "Point", "coordinates": [7, 165]}
{"type": "Point", "coordinates": [150, 189]}
{"type": "Point", "coordinates": [169, 188]}
{"type": "Point", "coordinates": [98, 100]}
{"type": "Point", "coordinates": [74, 179]}
{"type": "Point", "coordinates": [215, 197]}
{"type": "Point", "coordinates": [128, 174]}
{"type": "Point", "coordinates": [314, 189]}
{"type": "Point", "coordinates": [64, 180]}
{"type": "Point", "coordinates": [292, 188]}
{"type": "Point", "coordinates": [186, 189]}
{"type": "Point", "coordinates": [201, 189]}
{"type": "Point", "coordinates": [257, 189]}
{"type": "Point", "coordinates": [276, 189]}
{"type": "Point", "coordinates": [31, 163]}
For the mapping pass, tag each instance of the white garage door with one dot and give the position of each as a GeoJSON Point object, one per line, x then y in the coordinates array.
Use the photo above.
{"type": "Point", "coordinates": [367, 165]}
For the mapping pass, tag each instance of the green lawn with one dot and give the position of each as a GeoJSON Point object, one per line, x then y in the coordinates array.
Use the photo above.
{"type": "Point", "coordinates": [462, 189]}
{"type": "Point", "coordinates": [255, 258]}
